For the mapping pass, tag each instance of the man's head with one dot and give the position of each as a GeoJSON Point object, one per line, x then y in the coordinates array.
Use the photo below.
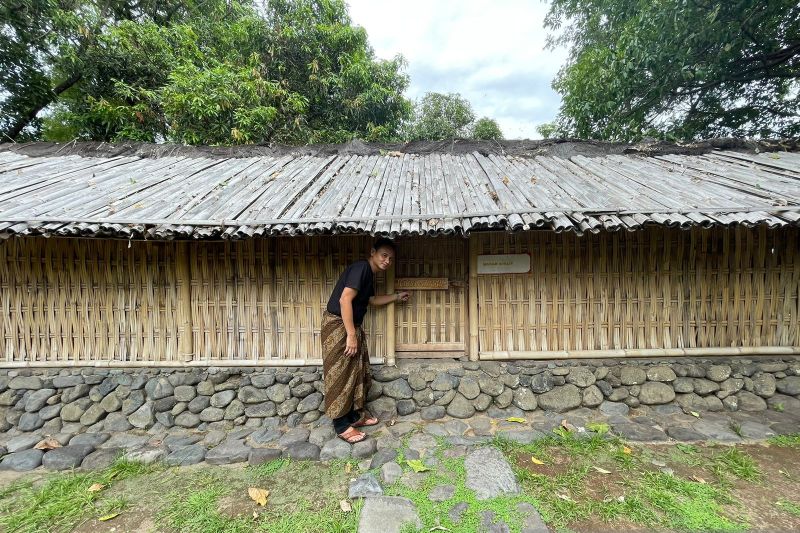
{"type": "Point", "coordinates": [382, 253]}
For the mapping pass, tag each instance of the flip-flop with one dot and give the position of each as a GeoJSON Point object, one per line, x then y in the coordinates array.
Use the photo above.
{"type": "Point", "coordinates": [366, 421]}
{"type": "Point", "coordinates": [352, 435]}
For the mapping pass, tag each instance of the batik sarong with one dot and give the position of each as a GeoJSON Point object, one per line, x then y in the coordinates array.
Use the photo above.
{"type": "Point", "coordinates": [347, 378]}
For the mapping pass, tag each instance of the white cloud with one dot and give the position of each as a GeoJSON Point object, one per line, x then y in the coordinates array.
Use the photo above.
{"type": "Point", "coordinates": [493, 53]}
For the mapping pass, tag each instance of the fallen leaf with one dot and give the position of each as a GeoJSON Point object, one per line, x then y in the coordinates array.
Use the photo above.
{"type": "Point", "coordinates": [598, 427]}
{"type": "Point", "coordinates": [417, 465]}
{"type": "Point", "coordinates": [620, 499]}
{"type": "Point", "coordinates": [255, 515]}
{"type": "Point", "coordinates": [438, 528]}
{"type": "Point", "coordinates": [108, 516]}
{"type": "Point", "coordinates": [566, 425]}
{"type": "Point", "coordinates": [345, 506]}
{"type": "Point", "coordinates": [395, 153]}
{"type": "Point", "coordinates": [626, 450]}
{"type": "Point", "coordinates": [601, 470]}
{"type": "Point", "coordinates": [348, 467]}
{"type": "Point", "coordinates": [698, 479]}
{"type": "Point", "coordinates": [96, 487]}
{"type": "Point", "coordinates": [564, 497]}
{"type": "Point", "coordinates": [694, 414]}
{"type": "Point", "coordinates": [516, 419]}
{"type": "Point", "coordinates": [536, 461]}
{"type": "Point", "coordinates": [258, 495]}
{"type": "Point", "coordinates": [48, 443]}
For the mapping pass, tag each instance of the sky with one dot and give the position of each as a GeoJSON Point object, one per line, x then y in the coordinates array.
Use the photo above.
{"type": "Point", "coordinates": [492, 52]}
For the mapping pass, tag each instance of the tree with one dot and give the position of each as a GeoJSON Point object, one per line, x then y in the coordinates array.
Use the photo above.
{"type": "Point", "coordinates": [197, 72]}
{"type": "Point", "coordinates": [685, 69]}
{"type": "Point", "coordinates": [486, 129]}
{"type": "Point", "coordinates": [440, 117]}
{"type": "Point", "coordinates": [548, 130]}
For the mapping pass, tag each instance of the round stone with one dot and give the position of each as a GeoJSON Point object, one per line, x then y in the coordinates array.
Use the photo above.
{"type": "Point", "coordinates": [631, 375]}
{"type": "Point", "coordinates": [718, 373]}
{"type": "Point", "coordinates": [581, 376]}
{"type": "Point", "coordinates": [223, 398]}
{"type": "Point", "coordinates": [525, 399]}
{"type": "Point", "coordinates": [469, 388]}
{"type": "Point", "coordinates": [185, 393]}
{"type": "Point", "coordinates": [433, 412]}
{"type": "Point", "coordinates": [460, 407]}
{"type": "Point", "coordinates": [660, 373]}
{"type": "Point", "coordinates": [592, 396]}
{"type": "Point", "coordinates": [655, 393]}
{"type": "Point", "coordinates": [398, 389]}
{"type": "Point", "coordinates": [561, 399]}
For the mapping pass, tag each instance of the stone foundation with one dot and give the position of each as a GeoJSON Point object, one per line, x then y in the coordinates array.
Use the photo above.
{"type": "Point", "coordinates": [114, 400]}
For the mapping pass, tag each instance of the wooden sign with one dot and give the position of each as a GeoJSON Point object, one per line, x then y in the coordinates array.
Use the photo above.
{"type": "Point", "coordinates": [421, 284]}
{"type": "Point", "coordinates": [504, 264]}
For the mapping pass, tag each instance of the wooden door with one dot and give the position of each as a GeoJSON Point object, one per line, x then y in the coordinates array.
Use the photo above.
{"type": "Point", "coordinates": [433, 322]}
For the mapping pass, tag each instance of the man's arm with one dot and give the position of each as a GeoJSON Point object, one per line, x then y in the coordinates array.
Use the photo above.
{"type": "Point", "coordinates": [384, 299]}
{"type": "Point", "coordinates": [346, 306]}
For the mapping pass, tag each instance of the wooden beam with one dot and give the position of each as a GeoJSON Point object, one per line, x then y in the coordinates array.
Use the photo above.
{"type": "Point", "coordinates": [184, 271]}
{"type": "Point", "coordinates": [647, 352]}
{"type": "Point", "coordinates": [473, 298]}
{"type": "Point", "coordinates": [391, 326]}
{"type": "Point", "coordinates": [431, 347]}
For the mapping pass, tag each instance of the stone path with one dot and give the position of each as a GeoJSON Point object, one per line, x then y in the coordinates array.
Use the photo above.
{"type": "Point", "coordinates": [316, 441]}
{"type": "Point", "coordinates": [488, 473]}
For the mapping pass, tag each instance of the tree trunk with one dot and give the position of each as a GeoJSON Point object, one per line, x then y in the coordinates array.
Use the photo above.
{"type": "Point", "coordinates": [14, 131]}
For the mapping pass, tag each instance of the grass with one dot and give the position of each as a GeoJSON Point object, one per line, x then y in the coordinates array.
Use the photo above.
{"type": "Point", "coordinates": [790, 507]}
{"type": "Point", "coordinates": [64, 499]}
{"type": "Point", "coordinates": [785, 441]}
{"type": "Point", "coordinates": [633, 492]}
{"type": "Point", "coordinates": [736, 463]}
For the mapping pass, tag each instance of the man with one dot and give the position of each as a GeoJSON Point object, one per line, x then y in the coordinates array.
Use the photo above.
{"type": "Point", "coordinates": [345, 358]}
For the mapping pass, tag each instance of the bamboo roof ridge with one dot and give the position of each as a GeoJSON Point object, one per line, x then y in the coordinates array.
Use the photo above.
{"type": "Point", "coordinates": [178, 193]}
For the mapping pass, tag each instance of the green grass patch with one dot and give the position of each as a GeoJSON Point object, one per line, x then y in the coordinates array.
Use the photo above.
{"type": "Point", "coordinates": [64, 499]}
{"type": "Point", "coordinates": [790, 507]}
{"type": "Point", "coordinates": [785, 441]}
{"type": "Point", "coordinates": [736, 463]}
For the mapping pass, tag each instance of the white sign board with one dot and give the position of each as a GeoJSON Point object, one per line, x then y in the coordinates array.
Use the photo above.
{"type": "Point", "coordinates": [504, 264]}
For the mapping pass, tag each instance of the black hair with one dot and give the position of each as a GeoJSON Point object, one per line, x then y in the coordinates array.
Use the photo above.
{"type": "Point", "coordinates": [384, 242]}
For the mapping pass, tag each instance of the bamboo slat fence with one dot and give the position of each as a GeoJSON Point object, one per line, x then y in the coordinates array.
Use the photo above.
{"type": "Point", "coordinates": [67, 301]}
{"type": "Point", "coordinates": [259, 301]}
{"type": "Point", "coordinates": [648, 290]}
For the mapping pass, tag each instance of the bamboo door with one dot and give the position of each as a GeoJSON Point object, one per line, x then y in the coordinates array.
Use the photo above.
{"type": "Point", "coordinates": [433, 322]}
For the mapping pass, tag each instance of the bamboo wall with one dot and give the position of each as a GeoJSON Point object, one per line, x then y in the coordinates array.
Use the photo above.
{"type": "Point", "coordinates": [86, 301]}
{"type": "Point", "coordinates": [68, 301]}
{"type": "Point", "coordinates": [650, 289]}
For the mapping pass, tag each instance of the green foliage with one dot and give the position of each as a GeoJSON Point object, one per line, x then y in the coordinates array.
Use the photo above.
{"type": "Point", "coordinates": [64, 500]}
{"type": "Point", "coordinates": [677, 70]}
{"type": "Point", "coordinates": [213, 72]}
{"type": "Point", "coordinates": [441, 117]}
{"type": "Point", "coordinates": [736, 463]}
{"type": "Point", "coordinates": [548, 130]}
{"type": "Point", "coordinates": [785, 441]}
{"type": "Point", "coordinates": [486, 129]}
{"type": "Point", "coordinates": [789, 507]}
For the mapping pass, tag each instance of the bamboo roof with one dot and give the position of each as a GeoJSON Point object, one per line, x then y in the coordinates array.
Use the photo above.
{"type": "Point", "coordinates": [161, 193]}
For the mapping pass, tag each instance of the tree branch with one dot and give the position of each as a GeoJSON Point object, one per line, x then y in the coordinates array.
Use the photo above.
{"type": "Point", "coordinates": [14, 131]}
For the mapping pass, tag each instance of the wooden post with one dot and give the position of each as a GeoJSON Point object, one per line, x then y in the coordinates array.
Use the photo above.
{"type": "Point", "coordinates": [473, 298]}
{"type": "Point", "coordinates": [184, 271]}
{"type": "Point", "coordinates": [390, 320]}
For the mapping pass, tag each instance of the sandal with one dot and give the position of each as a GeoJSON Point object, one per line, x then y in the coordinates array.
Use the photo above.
{"type": "Point", "coordinates": [352, 435]}
{"type": "Point", "coordinates": [366, 420]}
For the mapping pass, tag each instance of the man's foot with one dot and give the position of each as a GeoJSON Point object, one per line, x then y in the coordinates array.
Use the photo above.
{"type": "Point", "coordinates": [366, 420]}
{"type": "Point", "coordinates": [352, 435]}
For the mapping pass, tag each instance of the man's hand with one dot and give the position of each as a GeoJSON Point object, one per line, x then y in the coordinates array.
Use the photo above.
{"type": "Point", "coordinates": [403, 296]}
{"type": "Point", "coordinates": [351, 346]}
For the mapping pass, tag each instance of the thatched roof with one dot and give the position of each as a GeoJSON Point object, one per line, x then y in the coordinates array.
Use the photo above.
{"type": "Point", "coordinates": [170, 192]}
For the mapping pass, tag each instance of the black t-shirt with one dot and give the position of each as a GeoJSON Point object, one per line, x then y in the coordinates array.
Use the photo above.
{"type": "Point", "coordinates": [357, 276]}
